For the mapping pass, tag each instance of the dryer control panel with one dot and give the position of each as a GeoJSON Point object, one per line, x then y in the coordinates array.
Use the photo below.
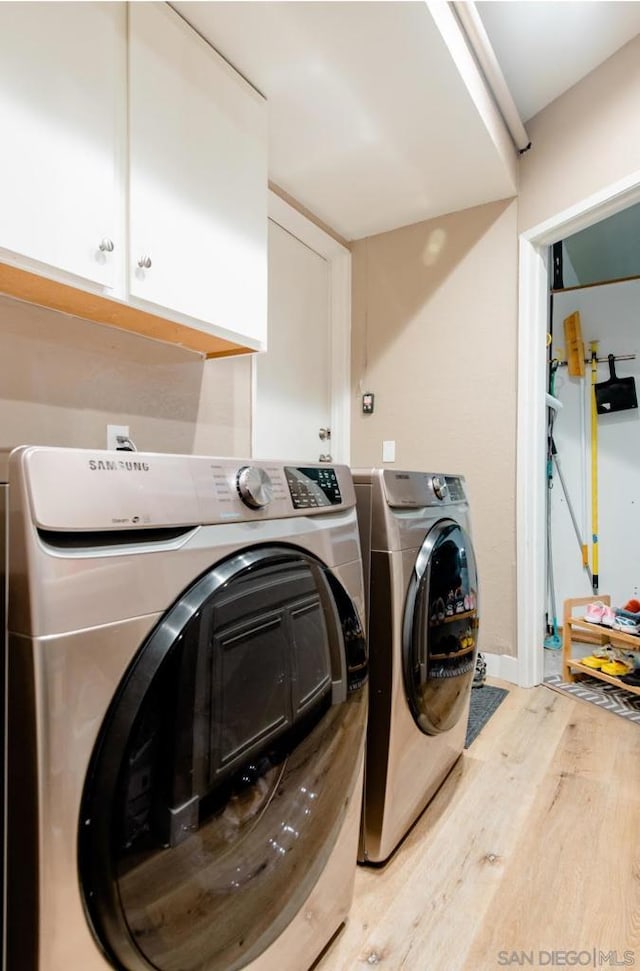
{"type": "Point", "coordinates": [415, 490]}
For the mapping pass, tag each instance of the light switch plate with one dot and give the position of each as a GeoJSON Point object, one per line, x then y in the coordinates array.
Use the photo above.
{"type": "Point", "coordinates": [388, 451]}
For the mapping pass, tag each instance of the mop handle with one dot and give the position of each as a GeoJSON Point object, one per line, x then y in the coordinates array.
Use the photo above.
{"type": "Point", "coordinates": [594, 466]}
{"type": "Point", "coordinates": [584, 548]}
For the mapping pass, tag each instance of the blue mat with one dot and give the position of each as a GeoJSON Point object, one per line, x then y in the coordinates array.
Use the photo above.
{"type": "Point", "coordinates": [484, 701]}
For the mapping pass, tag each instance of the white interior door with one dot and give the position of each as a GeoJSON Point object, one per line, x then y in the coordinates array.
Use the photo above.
{"type": "Point", "coordinates": [292, 401]}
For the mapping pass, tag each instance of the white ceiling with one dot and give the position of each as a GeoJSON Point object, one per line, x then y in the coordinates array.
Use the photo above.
{"type": "Point", "coordinates": [377, 116]}
{"type": "Point", "coordinates": [545, 47]}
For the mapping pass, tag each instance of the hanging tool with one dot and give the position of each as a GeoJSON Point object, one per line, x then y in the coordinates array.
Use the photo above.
{"type": "Point", "coordinates": [616, 394]}
{"type": "Point", "coordinates": [574, 345]}
{"type": "Point", "coordinates": [552, 640]}
{"type": "Point", "coordinates": [594, 467]}
{"type": "Point", "coordinates": [584, 549]}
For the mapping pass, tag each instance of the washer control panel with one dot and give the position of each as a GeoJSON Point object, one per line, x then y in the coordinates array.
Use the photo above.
{"type": "Point", "coordinates": [312, 487]}
{"type": "Point", "coordinates": [86, 490]}
{"type": "Point", "coordinates": [254, 486]}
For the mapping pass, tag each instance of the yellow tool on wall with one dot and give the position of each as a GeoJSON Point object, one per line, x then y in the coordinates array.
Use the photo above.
{"type": "Point", "coordinates": [575, 360]}
{"type": "Point", "coordinates": [594, 466]}
{"type": "Point", "coordinates": [574, 345]}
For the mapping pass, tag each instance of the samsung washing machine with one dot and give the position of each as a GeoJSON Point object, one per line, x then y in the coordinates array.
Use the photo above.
{"type": "Point", "coordinates": [186, 711]}
{"type": "Point", "coordinates": [422, 607]}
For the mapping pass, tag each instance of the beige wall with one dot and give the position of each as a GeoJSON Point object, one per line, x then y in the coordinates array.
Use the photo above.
{"type": "Point", "coordinates": [587, 139]}
{"type": "Point", "coordinates": [62, 380]}
{"type": "Point", "coordinates": [434, 337]}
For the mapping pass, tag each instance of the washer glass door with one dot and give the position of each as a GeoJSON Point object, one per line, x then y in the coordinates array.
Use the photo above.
{"type": "Point", "coordinates": [441, 628]}
{"type": "Point", "coordinates": [221, 775]}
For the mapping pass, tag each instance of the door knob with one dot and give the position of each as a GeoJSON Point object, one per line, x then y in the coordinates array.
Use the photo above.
{"type": "Point", "coordinates": [106, 246]}
{"type": "Point", "coordinates": [325, 457]}
{"type": "Point", "coordinates": [144, 262]}
{"type": "Point", "coordinates": [324, 434]}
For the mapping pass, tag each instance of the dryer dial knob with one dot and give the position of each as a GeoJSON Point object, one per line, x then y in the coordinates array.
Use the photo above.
{"type": "Point", "coordinates": [440, 486]}
{"type": "Point", "coordinates": [254, 486]}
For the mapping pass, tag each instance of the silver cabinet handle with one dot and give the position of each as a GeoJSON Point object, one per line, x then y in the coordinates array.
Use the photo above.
{"type": "Point", "coordinates": [144, 262]}
{"type": "Point", "coordinates": [106, 246]}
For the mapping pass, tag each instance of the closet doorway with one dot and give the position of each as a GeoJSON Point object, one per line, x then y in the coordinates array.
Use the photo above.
{"type": "Point", "coordinates": [535, 276]}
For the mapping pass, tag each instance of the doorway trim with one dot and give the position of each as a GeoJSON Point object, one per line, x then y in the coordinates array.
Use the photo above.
{"type": "Point", "coordinates": [338, 258]}
{"type": "Point", "coordinates": [531, 420]}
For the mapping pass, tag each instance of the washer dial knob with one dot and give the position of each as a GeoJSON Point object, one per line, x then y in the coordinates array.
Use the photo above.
{"type": "Point", "coordinates": [440, 486]}
{"type": "Point", "coordinates": [254, 486]}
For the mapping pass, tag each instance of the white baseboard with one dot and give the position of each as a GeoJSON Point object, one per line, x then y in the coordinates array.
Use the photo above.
{"type": "Point", "coordinates": [503, 666]}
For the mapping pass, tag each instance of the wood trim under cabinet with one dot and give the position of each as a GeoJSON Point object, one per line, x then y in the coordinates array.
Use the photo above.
{"type": "Point", "coordinates": [35, 289]}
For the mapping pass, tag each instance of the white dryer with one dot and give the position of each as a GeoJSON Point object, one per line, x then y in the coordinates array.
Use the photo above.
{"type": "Point", "coordinates": [422, 607]}
{"type": "Point", "coordinates": [187, 711]}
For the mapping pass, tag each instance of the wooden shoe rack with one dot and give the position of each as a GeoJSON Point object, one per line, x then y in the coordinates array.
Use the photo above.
{"type": "Point", "coordinates": [575, 628]}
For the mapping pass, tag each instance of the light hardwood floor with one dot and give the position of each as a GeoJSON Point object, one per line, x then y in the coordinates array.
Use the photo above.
{"type": "Point", "coordinates": [531, 845]}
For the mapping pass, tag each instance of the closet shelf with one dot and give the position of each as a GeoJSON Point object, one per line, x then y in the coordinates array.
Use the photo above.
{"type": "Point", "coordinates": [601, 676]}
{"type": "Point", "coordinates": [615, 636]}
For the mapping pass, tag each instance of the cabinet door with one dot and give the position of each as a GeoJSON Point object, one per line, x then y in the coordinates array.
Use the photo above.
{"type": "Point", "coordinates": [198, 180]}
{"type": "Point", "coordinates": [62, 108]}
{"type": "Point", "coordinates": [293, 381]}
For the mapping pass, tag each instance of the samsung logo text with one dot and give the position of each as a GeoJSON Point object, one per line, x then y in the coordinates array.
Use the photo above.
{"type": "Point", "coordinates": [120, 465]}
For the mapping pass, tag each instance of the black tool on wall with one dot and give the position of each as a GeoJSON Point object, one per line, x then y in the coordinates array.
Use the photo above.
{"type": "Point", "coordinates": [615, 394]}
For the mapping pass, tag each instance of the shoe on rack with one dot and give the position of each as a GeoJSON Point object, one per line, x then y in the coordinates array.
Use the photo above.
{"type": "Point", "coordinates": [591, 661]}
{"type": "Point", "coordinates": [480, 673]}
{"type": "Point", "coordinates": [437, 611]}
{"type": "Point", "coordinates": [631, 614]}
{"type": "Point", "coordinates": [608, 617]}
{"type": "Point", "coordinates": [632, 606]}
{"type": "Point", "coordinates": [632, 678]}
{"type": "Point", "coordinates": [594, 612]}
{"type": "Point", "coordinates": [615, 668]}
{"type": "Point", "coordinates": [626, 625]}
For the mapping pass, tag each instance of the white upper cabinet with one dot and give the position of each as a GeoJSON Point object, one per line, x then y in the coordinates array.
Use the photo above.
{"type": "Point", "coordinates": [62, 104]}
{"type": "Point", "coordinates": [133, 174]}
{"type": "Point", "coordinates": [197, 179]}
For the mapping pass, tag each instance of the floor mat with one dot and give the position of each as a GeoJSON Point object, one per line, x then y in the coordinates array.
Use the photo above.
{"type": "Point", "coordinates": [600, 693]}
{"type": "Point", "coordinates": [484, 702]}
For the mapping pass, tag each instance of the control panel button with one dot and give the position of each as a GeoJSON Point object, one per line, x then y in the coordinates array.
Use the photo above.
{"type": "Point", "coordinates": [254, 486]}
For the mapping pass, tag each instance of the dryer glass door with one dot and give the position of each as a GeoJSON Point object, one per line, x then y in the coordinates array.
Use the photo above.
{"type": "Point", "coordinates": [222, 773]}
{"type": "Point", "coordinates": [441, 628]}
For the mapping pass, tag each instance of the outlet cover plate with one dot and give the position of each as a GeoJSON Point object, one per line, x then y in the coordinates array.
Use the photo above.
{"type": "Point", "coordinates": [112, 435]}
